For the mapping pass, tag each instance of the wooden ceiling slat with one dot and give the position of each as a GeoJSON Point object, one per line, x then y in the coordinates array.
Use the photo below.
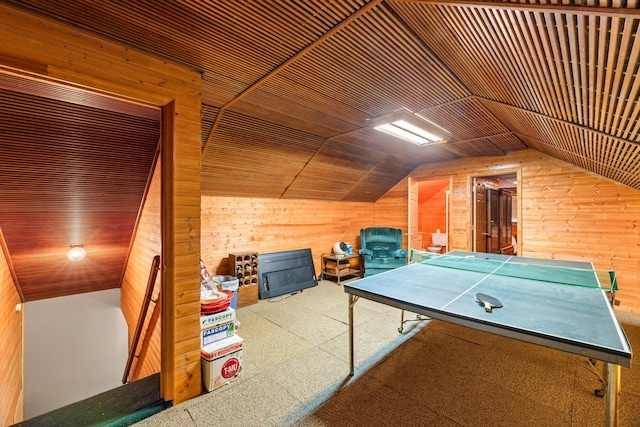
{"type": "Point", "coordinates": [632, 110]}
{"type": "Point", "coordinates": [494, 40]}
{"type": "Point", "coordinates": [449, 19]}
{"type": "Point", "coordinates": [607, 8]}
{"type": "Point", "coordinates": [577, 74]}
{"type": "Point", "coordinates": [592, 59]}
{"type": "Point", "coordinates": [357, 44]}
{"type": "Point", "coordinates": [307, 96]}
{"type": "Point", "coordinates": [71, 174]}
{"type": "Point", "coordinates": [283, 65]}
{"type": "Point", "coordinates": [601, 70]}
{"type": "Point", "coordinates": [160, 22]}
{"type": "Point", "coordinates": [423, 21]}
{"type": "Point", "coordinates": [532, 41]}
{"type": "Point", "coordinates": [569, 60]}
{"type": "Point", "coordinates": [255, 38]}
{"type": "Point", "coordinates": [466, 119]}
{"type": "Point", "coordinates": [404, 44]}
{"type": "Point", "coordinates": [416, 55]}
{"type": "Point", "coordinates": [287, 112]}
{"type": "Point", "coordinates": [577, 145]}
{"type": "Point", "coordinates": [352, 75]}
{"type": "Point", "coordinates": [550, 50]}
{"type": "Point", "coordinates": [276, 16]}
{"type": "Point", "coordinates": [631, 82]}
{"type": "Point", "coordinates": [612, 47]}
{"type": "Point", "coordinates": [505, 74]}
{"type": "Point", "coordinates": [514, 37]}
{"type": "Point", "coordinates": [619, 67]}
{"type": "Point", "coordinates": [474, 31]}
{"type": "Point", "coordinates": [587, 33]}
{"type": "Point", "coordinates": [516, 30]}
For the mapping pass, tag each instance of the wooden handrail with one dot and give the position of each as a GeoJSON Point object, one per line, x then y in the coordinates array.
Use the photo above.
{"type": "Point", "coordinates": [144, 309]}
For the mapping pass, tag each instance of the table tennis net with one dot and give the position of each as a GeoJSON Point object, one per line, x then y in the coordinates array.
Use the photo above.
{"type": "Point", "coordinates": [587, 278]}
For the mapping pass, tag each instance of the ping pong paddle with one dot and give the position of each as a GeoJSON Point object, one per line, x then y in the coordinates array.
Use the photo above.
{"type": "Point", "coordinates": [488, 302]}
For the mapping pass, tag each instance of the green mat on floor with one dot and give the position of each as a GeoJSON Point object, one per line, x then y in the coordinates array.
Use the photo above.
{"type": "Point", "coordinates": [122, 406]}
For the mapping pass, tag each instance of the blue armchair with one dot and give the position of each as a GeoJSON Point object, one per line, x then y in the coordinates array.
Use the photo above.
{"type": "Point", "coordinates": [381, 249]}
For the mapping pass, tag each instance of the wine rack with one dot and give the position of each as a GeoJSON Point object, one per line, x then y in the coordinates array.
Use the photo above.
{"type": "Point", "coordinates": [244, 267]}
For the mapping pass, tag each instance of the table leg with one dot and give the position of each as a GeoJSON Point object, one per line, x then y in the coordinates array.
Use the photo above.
{"type": "Point", "coordinates": [352, 301]}
{"type": "Point", "coordinates": [612, 375]}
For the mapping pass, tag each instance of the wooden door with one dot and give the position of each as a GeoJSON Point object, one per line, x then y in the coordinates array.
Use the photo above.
{"type": "Point", "coordinates": [493, 221]}
{"type": "Point", "coordinates": [480, 208]}
{"type": "Point", "coordinates": [505, 218]}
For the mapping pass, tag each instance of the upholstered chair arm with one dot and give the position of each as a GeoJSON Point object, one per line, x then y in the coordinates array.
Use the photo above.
{"type": "Point", "coordinates": [400, 253]}
{"type": "Point", "coordinates": [365, 252]}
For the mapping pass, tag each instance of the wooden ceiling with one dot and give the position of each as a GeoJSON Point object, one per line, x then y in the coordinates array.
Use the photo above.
{"type": "Point", "coordinates": [74, 170]}
{"type": "Point", "coordinates": [290, 88]}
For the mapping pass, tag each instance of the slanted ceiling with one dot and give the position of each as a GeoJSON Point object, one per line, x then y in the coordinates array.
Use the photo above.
{"type": "Point", "coordinates": [70, 174]}
{"type": "Point", "coordinates": [290, 87]}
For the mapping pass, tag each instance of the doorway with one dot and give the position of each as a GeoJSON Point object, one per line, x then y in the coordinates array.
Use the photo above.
{"type": "Point", "coordinates": [495, 214]}
{"type": "Point", "coordinates": [429, 214]}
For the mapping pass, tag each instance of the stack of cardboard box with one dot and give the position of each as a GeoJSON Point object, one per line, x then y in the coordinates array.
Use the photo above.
{"type": "Point", "coordinates": [221, 349]}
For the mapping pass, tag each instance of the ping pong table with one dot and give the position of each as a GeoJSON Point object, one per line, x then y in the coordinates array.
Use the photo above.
{"type": "Point", "coordinates": [564, 305]}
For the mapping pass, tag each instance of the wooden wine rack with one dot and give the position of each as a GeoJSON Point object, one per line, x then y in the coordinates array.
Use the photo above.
{"type": "Point", "coordinates": [244, 267]}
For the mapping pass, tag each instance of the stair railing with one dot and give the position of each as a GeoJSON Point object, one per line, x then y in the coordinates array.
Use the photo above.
{"type": "Point", "coordinates": [144, 311]}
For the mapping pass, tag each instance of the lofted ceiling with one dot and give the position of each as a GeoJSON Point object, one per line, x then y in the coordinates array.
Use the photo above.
{"type": "Point", "coordinates": [291, 88]}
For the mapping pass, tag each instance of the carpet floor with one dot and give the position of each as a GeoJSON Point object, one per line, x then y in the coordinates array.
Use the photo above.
{"type": "Point", "coordinates": [296, 365]}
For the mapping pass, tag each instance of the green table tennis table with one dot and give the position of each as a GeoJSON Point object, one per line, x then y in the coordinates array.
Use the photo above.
{"type": "Point", "coordinates": [564, 305]}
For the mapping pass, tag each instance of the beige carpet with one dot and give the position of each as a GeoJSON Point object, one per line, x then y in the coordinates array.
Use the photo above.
{"type": "Point", "coordinates": [295, 373]}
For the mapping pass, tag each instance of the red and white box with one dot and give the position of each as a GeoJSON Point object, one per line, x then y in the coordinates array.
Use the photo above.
{"type": "Point", "coordinates": [221, 362]}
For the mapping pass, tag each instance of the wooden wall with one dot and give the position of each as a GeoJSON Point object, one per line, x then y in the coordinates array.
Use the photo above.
{"type": "Point", "coordinates": [146, 245]}
{"type": "Point", "coordinates": [391, 209]}
{"type": "Point", "coordinates": [35, 47]}
{"type": "Point", "coordinates": [236, 225]}
{"type": "Point", "coordinates": [566, 213]}
{"type": "Point", "coordinates": [11, 349]}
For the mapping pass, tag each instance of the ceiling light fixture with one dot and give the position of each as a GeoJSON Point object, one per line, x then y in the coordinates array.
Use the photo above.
{"type": "Point", "coordinates": [411, 127]}
{"type": "Point", "coordinates": [76, 253]}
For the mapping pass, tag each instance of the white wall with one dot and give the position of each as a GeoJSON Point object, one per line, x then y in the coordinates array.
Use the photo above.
{"type": "Point", "coordinates": [75, 347]}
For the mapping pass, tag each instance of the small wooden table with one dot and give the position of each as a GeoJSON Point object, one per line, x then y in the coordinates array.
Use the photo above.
{"type": "Point", "coordinates": [339, 266]}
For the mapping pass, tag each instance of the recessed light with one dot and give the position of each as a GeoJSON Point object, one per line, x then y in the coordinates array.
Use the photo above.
{"type": "Point", "coordinates": [76, 253]}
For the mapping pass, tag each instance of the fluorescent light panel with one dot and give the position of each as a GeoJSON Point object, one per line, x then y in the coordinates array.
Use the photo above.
{"type": "Point", "coordinates": [410, 132]}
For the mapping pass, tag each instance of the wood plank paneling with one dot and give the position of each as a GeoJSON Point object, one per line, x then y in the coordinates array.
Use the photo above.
{"type": "Point", "coordinates": [576, 65]}
{"type": "Point", "coordinates": [321, 70]}
{"type": "Point", "coordinates": [73, 175]}
{"type": "Point", "coordinates": [146, 245]}
{"type": "Point", "coordinates": [606, 155]}
{"type": "Point", "coordinates": [11, 348]}
{"type": "Point", "coordinates": [236, 225]}
{"type": "Point", "coordinates": [86, 60]}
{"type": "Point", "coordinates": [566, 213]}
{"type": "Point", "coordinates": [391, 209]}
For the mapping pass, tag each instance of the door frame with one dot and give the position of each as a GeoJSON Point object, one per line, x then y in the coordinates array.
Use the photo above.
{"type": "Point", "coordinates": [413, 233]}
{"type": "Point", "coordinates": [471, 185]}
